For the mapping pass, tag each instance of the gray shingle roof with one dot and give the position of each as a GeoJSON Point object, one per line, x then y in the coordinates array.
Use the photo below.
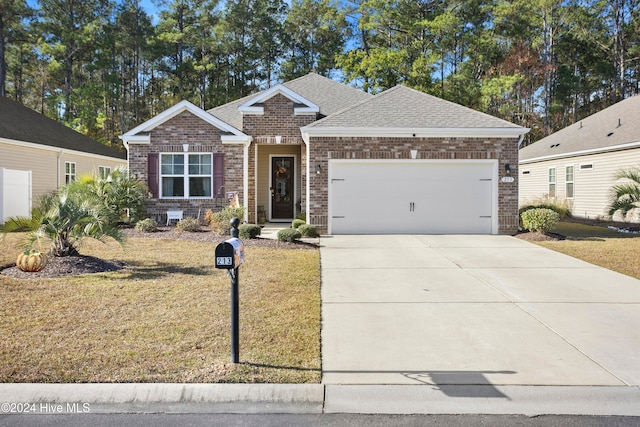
{"type": "Point", "coordinates": [402, 107]}
{"type": "Point", "coordinates": [20, 123]}
{"type": "Point", "coordinates": [615, 125]}
{"type": "Point", "coordinates": [328, 94]}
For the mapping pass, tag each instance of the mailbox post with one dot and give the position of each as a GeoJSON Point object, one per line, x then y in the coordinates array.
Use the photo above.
{"type": "Point", "coordinates": [229, 255]}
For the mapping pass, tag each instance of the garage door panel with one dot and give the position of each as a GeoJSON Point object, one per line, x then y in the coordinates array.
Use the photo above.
{"type": "Point", "coordinates": [416, 197]}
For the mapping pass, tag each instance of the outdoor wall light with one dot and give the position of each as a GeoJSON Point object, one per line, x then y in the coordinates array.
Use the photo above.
{"type": "Point", "coordinates": [507, 169]}
{"type": "Point", "coordinates": [318, 169]}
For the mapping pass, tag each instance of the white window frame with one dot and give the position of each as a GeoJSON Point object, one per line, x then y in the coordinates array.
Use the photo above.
{"type": "Point", "coordinates": [568, 181]}
{"type": "Point", "coordinates": [104, 172]}
{"type": "Point", "coordinates": [553, 182]}
{"type": "Point", "coordinates": [185, 175]}
{"type": "Point", "coordinates": [69, 172]}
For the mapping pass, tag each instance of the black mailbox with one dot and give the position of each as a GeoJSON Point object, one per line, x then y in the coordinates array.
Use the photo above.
{"type": "Point", "coordinates": [230, 254]}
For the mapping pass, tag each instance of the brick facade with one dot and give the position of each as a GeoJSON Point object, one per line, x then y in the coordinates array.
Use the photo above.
{"type": "Point", "coordinates": [505, 150]}
{"type": "Point", "coordinates": [202, 137]}
{"type": "Point", "coordinates": [279, 120]}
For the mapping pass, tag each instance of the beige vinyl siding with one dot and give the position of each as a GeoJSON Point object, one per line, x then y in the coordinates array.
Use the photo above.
{"type": "Point", "coordinates": [591, 186]}
{"type": "Point", "coordinates": [263, 175]}
{"type": "Point", "coordinates": [47, 169]}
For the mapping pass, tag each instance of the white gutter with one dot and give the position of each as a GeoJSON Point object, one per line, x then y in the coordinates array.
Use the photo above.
{"type": "Point", "coordinates": [315, 131]}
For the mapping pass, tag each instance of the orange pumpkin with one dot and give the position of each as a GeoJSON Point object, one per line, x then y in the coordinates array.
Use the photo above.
{"type": "Point", "coordinates": [31, 260]}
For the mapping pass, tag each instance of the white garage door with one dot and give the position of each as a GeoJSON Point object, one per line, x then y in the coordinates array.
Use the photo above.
{"type": "Point", "coordinates": [422, 197]}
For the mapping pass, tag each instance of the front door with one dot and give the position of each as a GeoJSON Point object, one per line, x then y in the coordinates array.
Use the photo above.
{"type": "Point", "coordinates": [282, 191]}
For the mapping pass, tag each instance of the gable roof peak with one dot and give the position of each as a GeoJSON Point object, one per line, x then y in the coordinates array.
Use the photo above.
{"type": "Point", "coordinates": [255, 105]}
{"type": "Point", "coordinates": [141, 133]}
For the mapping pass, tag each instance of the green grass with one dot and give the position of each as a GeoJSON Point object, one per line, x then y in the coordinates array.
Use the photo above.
{"type": "Point", "coordinates": [164, 318]}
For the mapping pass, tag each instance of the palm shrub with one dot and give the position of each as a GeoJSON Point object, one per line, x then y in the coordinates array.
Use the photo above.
{"type": "Point", "coordinates": [121, 194]}
{"type": "Point", "coordinates": [540, 219]}
{"type": "Point", "coordinates": [64, 219]}
{"type": "Point", "coordinates": [625, 196]}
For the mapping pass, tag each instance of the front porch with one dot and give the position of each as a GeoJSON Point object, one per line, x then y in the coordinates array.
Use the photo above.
{"type": "Point", "coordinates": [277, 180]}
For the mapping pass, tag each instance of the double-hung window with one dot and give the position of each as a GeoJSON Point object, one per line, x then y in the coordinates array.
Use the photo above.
{"type": "Point", "coordinates": [186, 175]}
{"type": "Point", "coordinates": [569, 182]}
{"type": "Point", "coordinates": [552, 182]}
{"type": "Point", "coordinates": [69, 172]}
{"type": "Point", "coordinates": [104, 172]}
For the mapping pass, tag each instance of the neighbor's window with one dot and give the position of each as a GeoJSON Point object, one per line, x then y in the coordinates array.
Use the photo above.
{"type": "Point", "coordinates": [569, 181]}
{"type": "Point", "coordinates": [69, 172]}
{"type": "Point", "coordinates": [552, 182]}
{"type": "Point", "coordinates": [104, 172]}
{"type": "Point", "coordinates": [186, 175]}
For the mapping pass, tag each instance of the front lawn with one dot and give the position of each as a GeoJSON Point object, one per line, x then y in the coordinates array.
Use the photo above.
{"type": "Point", "coordinates": [164, 318]}
{"type": "Point", "coordinates": [600, 246]}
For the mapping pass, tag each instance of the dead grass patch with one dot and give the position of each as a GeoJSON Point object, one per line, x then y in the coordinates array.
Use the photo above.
{"type": "Point", "coordinates": [163, 318]}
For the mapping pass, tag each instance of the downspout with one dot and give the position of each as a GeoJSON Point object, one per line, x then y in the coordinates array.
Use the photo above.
{"type": "Point", "coordinates": [520, 141]}
{"type": "Point", "coordinates": [59, 169]}
{"type": "Point", "coordinates": [307, 207]}
{"type": "Point", "coordinates": [245, 179]}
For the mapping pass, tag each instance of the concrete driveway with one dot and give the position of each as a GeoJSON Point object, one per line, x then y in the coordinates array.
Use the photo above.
{"type": "Point", "coordinates": [473, 310]}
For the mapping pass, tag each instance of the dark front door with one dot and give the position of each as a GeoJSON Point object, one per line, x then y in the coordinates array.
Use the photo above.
{"type": "Point", "coordinates": [282, 194]}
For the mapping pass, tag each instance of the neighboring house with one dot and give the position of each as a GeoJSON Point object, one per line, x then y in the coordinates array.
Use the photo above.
{"type": "Point", "coordinates": [579, 163]}
{"type": "Point", "coordinates": [398, 162]}
{"type": "Point", "coordinates": [38, 155]}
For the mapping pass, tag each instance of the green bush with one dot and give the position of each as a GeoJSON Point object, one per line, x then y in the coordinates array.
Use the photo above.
{"type": "Point", "coordinates": [146, 226]}
{"type": "Point", "coordinates": [296, 223]}
{"type": "Point", "coordinates": [302, 216]}
{"type": "Point", "coordinates": [249, 231]}
{"type": "Point", "coordinates": [188, 224]}
{"type": "Point", "coordinates": [541, 220]}
{"type": "Point", "coordinates": [219, 221]}
{"type": "Point", "coordinates": [308, 230]}
{"type": "Point", "coordinates": [288, 235]}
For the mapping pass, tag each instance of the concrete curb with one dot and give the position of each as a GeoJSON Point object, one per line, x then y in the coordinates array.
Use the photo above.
{"type": "Point", "coordinates": [319, 398]}
{"type": "Point", "coordinates": [165, 398]}
{"type": "Point", "coordinates": [483, 399]}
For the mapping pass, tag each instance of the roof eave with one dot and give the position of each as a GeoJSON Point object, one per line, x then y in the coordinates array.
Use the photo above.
{"type": "Point", "coordinates": [133, 137]}
{"type": "Point", "coordinates": [38, 146]}
{"type": "Point", "coordinates": [512, 132]}
{"type": "Point", "coordinates": [619, 147]}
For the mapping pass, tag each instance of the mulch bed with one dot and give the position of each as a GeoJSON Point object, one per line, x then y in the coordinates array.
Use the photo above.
{"type": "Point", "coordinates": [539, 237]}
{"type": "Point", "coordinates": [66, 266]}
